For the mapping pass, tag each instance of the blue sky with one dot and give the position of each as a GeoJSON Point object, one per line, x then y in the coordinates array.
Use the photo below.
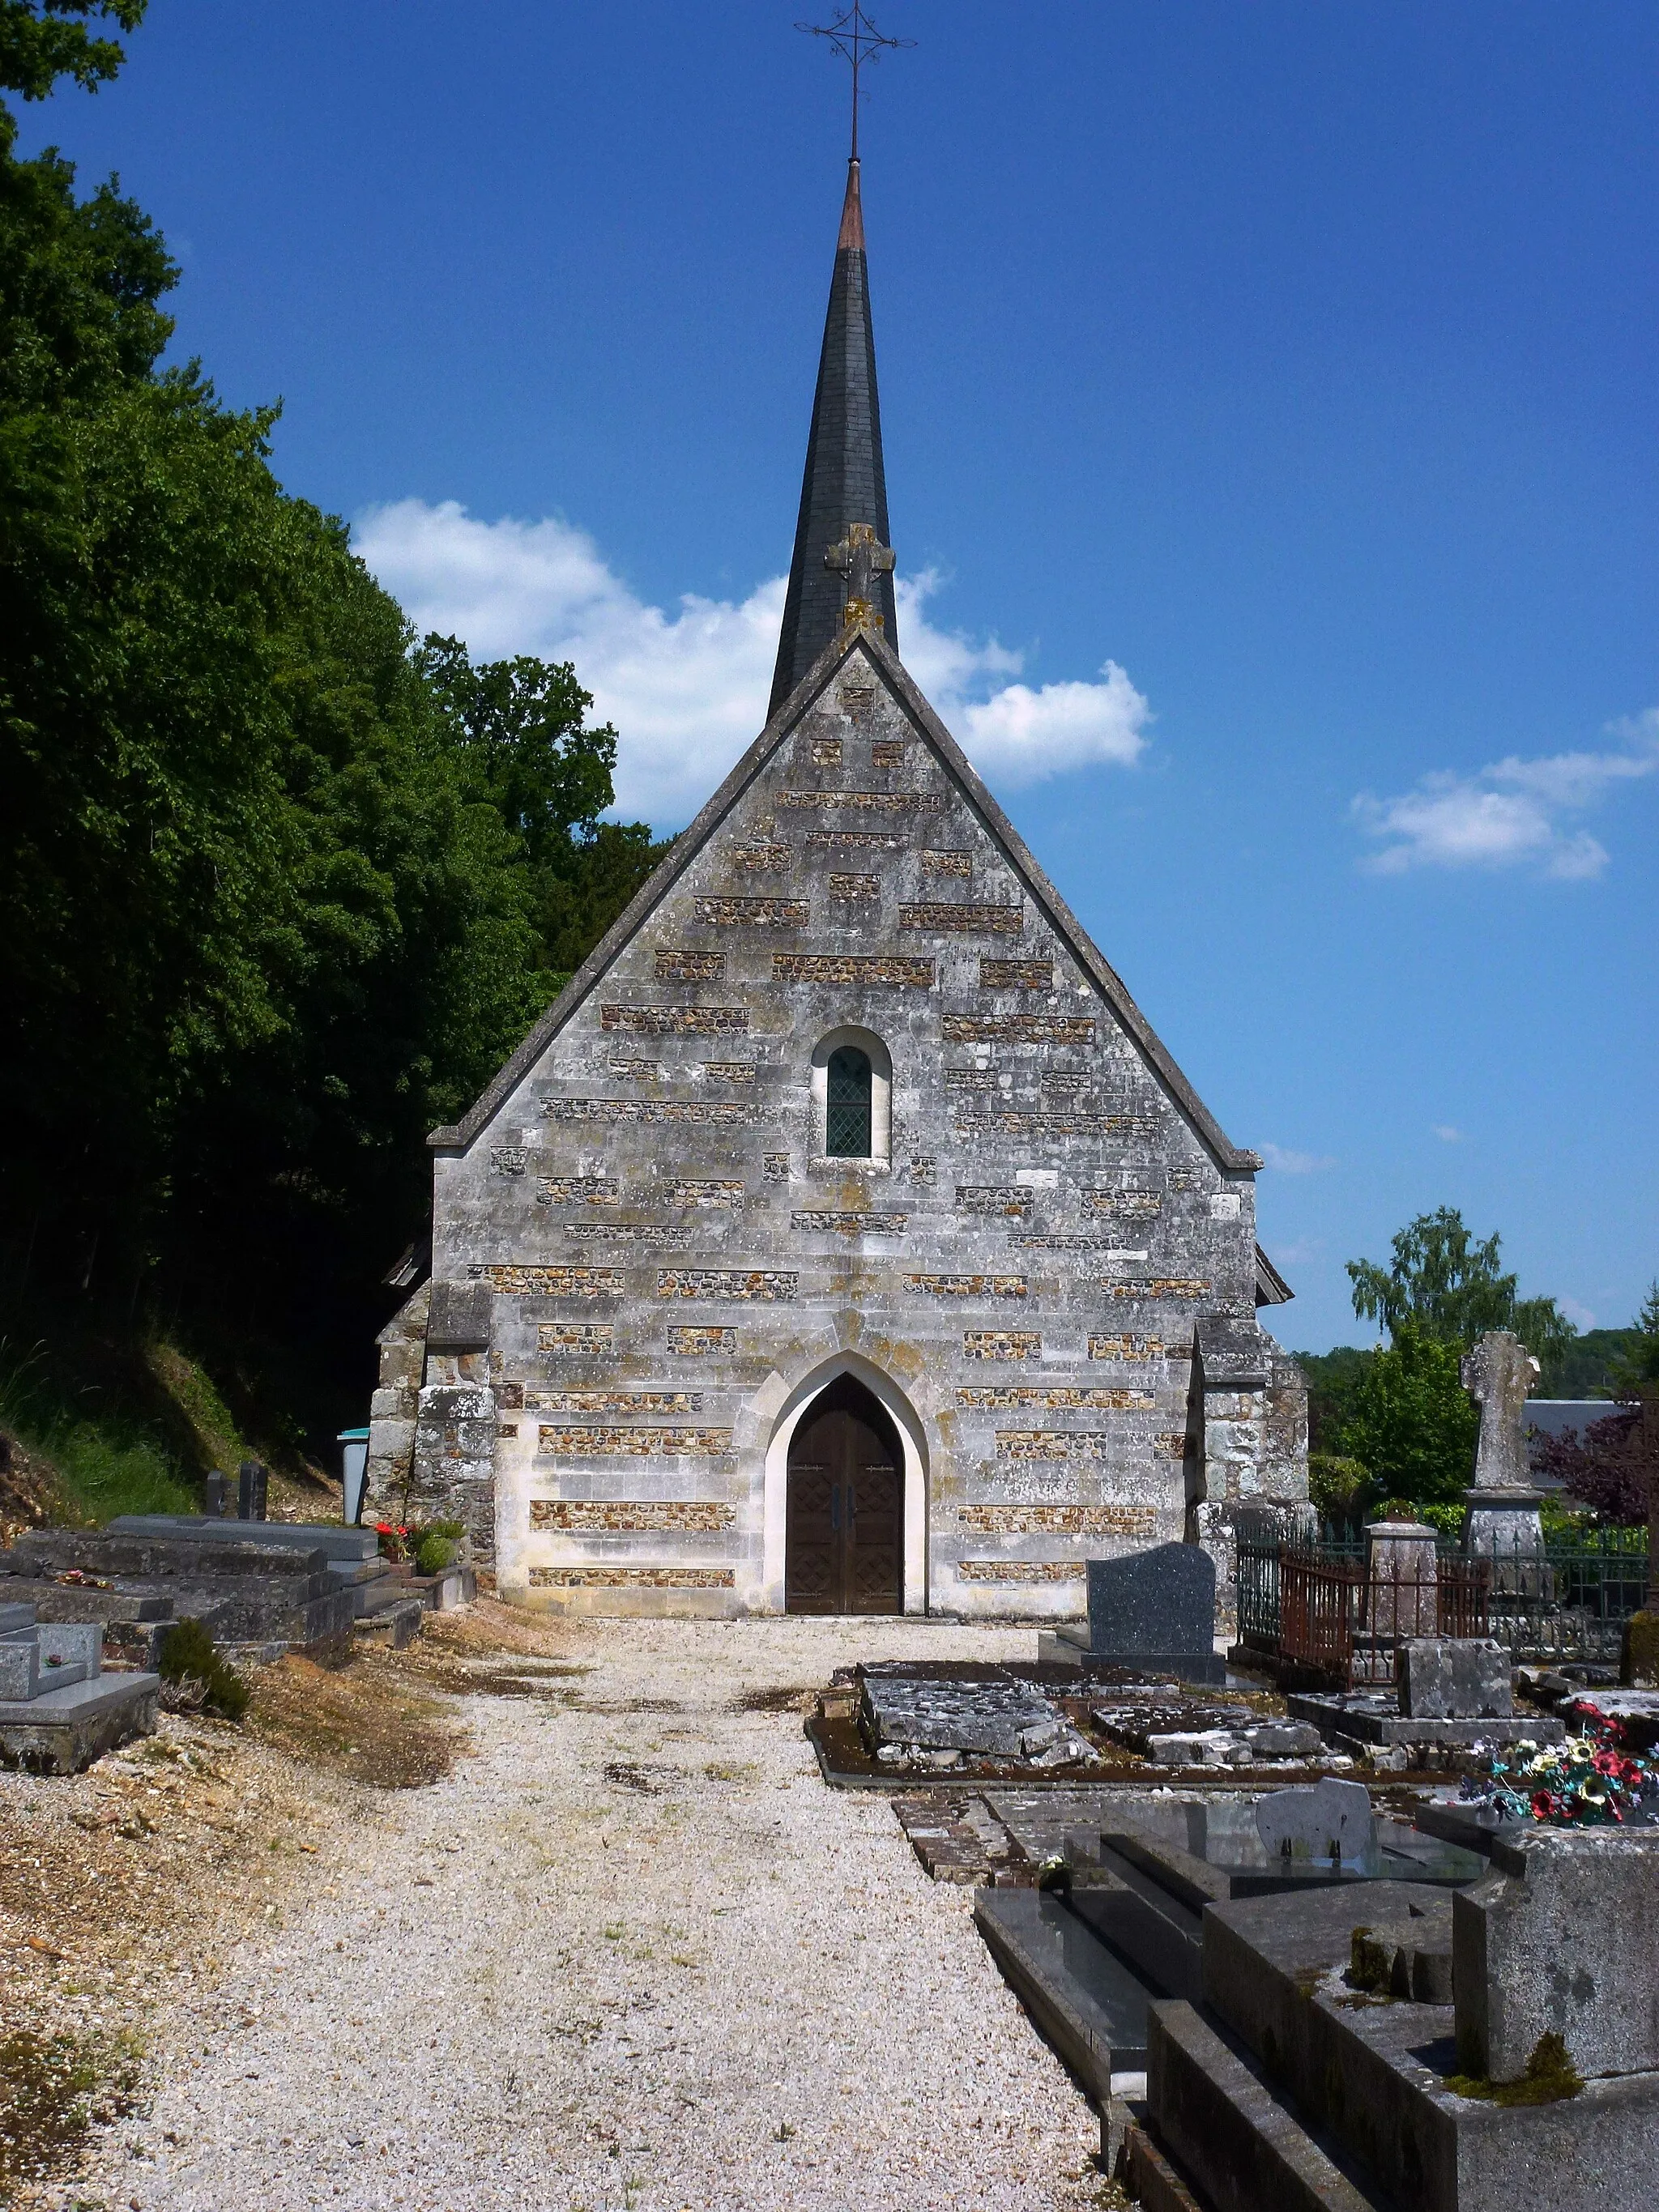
{"type": "Point", "coordinates": [1297, 360]}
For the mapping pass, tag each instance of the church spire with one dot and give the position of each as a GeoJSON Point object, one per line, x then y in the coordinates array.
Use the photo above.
{"type": "Point", "coordinates": [845, 484]}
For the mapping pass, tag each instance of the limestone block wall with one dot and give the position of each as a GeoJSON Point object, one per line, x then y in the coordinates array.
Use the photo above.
{"type": "Point", "coordinates": [646, 1265]}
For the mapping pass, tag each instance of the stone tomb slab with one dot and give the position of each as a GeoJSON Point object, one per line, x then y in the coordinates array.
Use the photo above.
{"type": "Point", "coordinates": [907, 1712]}
{"type": "Point", "coordinates": [1373, 1716]}
{"type": "Point", "coordinates": [1454, 1679]}
{"type": "Point", "coordinates": [1562, 1937]}
{"type": "Point", "coordinates": [1374, 2071]}
{"type": "Point", "coordinates": [1155, 1609]}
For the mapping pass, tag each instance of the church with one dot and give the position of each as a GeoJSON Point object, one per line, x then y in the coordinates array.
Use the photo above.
{"type": "Point", "coordinates": [842, 1239]}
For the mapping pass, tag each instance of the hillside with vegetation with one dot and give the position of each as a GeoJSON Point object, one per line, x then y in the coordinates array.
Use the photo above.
{"type": "Point", "coordinates": [281, 884]}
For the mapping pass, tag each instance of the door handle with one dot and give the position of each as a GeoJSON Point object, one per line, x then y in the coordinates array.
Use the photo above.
{"type": "Point", "coordinates": [835, 1505]}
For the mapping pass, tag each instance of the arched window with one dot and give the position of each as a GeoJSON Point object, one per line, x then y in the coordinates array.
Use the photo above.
{"type": "Point", "coordinates": [847, 1116]}
{"type": "Point", "coordinates": [853, 1097]}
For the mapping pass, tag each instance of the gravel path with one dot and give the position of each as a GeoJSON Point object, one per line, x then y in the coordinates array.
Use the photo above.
{"type": "Point", "coordinates": [631, 1953]}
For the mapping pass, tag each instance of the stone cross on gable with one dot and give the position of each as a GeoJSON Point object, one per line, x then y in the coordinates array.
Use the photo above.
{"type": "Point", "coordinates": [861, 559]}
{"type": "Point", "coordinates": [1497, 1375]}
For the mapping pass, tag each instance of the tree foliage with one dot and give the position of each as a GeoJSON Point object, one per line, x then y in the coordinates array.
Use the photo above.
{"type": "Point", "coordinates": [1409, 1421]}
{"type": "Point", "coordinates": [1451, 1286]}
{"type": "Point", "coordinates": [278, 888]}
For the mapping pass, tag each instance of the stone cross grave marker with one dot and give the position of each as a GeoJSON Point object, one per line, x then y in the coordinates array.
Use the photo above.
{"type": "Point", "coordinates": [1498, 1373]}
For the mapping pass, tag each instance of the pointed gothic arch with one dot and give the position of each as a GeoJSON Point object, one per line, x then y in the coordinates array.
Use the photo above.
{"type": "Point", "coordinates": [911, 1436]}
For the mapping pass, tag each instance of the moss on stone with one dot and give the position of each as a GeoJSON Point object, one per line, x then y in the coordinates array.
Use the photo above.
{"type": "Point", "coordinates": [1640, 1662]}
{"type": "Point", "coordinates": [1549, 2078]}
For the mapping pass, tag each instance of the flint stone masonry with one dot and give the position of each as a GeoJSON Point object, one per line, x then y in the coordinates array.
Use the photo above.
{"type": "Point", "coordinates": [700, 1343]}
{"type": "Point", "coordinates": [695, 1113]}
{"type": "Point", "coordinates": [766, 1285]}
{"type": "Point", "coordinates": [594, 1338]}
{"type": "Point", "coordinates": [675, 1181]}
{"type": "Point", "coordinates": [619, 1578]}
{"type": "Point", "coordinates": [1018, 1029]}
{"type": "Point", "coordinates": [866, 972]}
{"type": "Point", "coordinates": [1058, 1521]}
{"type": "Point", "coordinates": [677, 965]}
{"type": "Point", "coordinates": [1009, 1397]}
{"type": "Point", "coordinates": [631, 1516]}
{"type": "Point", "coordinates": [752, 913]}
{"type": "Point", "coordinates": [934, 915]}
{"type": "Point", "coordinates": [1562, 1937]}
{"type": "Point", "coordinates": [1454, 1679]}
{"type": "Point", "coordinates": [1016, 975]}
{"type": "Point", "coordinates": [634, 1443]}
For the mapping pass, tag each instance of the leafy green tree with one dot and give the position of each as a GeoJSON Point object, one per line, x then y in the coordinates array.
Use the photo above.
{"type": "Point", "coordinates": [1409, 1422]}
{"type": "Point", "coordinates": [277, 891]}
{"type": "Point", "coordinates": [1636, 1371]}
{"type": "Point", "coordinates": [1451, 1286]}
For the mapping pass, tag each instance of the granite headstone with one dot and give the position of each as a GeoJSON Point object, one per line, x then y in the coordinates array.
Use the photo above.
{"type": "Point", "coordinates": [1155, 1610]}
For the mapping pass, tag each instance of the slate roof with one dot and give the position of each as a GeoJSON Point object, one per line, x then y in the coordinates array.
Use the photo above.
{"type": "Point", "coordinates": [845, 480]}
{"type": "Point", "coordinates": [1228, 1156]}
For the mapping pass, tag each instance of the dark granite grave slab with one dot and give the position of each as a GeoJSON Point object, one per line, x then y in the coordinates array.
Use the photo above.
{"type": "Point", "coordinates": [1156, 1609]}
{"type": "Point", "coordinates": [1091, 2006]}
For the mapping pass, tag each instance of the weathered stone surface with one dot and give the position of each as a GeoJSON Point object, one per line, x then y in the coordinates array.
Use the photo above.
{"type": "Point", "coordinates": [1561, 1938]}
{"type": "Point", "coordinates": [1001, 1718]}
{"type": "Point", "coordinates": [1454, 1679]}
{"type": "Point", "coordinates": [1498, 1373]}
{"type": "Point", "coordinates": [1040, 1164]}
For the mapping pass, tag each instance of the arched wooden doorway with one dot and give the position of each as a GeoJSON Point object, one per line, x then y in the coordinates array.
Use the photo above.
{"type": "Point", "coordinates": [844, 1538]}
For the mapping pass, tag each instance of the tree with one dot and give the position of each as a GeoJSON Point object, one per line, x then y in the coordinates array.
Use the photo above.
{"type": "Point", "coordinates": [1452, 1287]}
{"type": "Point", "coordinates": [1409, 1421]}
{"type": "Point", "coordinates": [278, 891]}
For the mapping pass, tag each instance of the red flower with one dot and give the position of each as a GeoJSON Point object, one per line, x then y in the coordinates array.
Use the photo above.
{"type": "Point", "coordinates": [1543, 1804]}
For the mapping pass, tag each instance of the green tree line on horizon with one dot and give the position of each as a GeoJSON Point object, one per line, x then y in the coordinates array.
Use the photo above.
{"type": "Point", "coordinates": [279, 884]}
{"type": "Point", "coordinates": [1394, 1422]}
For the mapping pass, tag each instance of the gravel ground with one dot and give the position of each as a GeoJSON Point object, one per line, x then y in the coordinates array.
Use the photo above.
{"type": "Point", "coordinates": [631, 1953]}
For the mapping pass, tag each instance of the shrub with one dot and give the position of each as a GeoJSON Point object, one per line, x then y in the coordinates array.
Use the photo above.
{"type": "Point", "coordinates": [1338, 1487]}
{"type": "Point", "coordinates": [190, 1663]}
{"type": "Point", "coordinates": [434, 1553]}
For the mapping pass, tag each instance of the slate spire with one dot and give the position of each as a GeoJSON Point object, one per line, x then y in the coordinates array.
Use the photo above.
{"type": "Point", "coordinates": [845, 481]}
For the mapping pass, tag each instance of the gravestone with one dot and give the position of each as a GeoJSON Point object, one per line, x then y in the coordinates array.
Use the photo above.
{"type": "Point", "coordinates": [1562, 1937]}
{"type": "Point", "coordinates": [251, 1483]}
{"type": "Point", "coordinates": [1462, 1678]}
{"type": "Point", "coordinates": [1501, 1521]}
{"type": "Point", "coordinates": [215, 1488]}
{"type": "Point", "coordinates": [1333, 1820]}
{"type": "Point", "coordinates": [1155, 1611]}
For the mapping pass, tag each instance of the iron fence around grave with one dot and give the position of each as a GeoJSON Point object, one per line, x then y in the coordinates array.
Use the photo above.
{"type": "Point", "coordinates": [1321, 1607]}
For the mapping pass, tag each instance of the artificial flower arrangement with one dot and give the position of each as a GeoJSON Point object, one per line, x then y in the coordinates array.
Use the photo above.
{"type": "Point", "coordinates": [1589, 1780]}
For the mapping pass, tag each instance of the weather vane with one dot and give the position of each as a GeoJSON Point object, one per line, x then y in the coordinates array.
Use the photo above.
{"type": "Point", "coordinates": [856, 40]}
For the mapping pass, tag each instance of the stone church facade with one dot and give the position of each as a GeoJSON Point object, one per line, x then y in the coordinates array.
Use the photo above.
{"type": "Point", "coordinates": [846, 1112]}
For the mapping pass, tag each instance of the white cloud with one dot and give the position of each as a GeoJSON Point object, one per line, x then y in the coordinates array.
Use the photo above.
{"type": "Point", "coordinates": [1580, 1316]}
{"type": "Point", "coordinates": [1447, 1134]}
{"type": "Point", "coordinates": [1289, 1163]}
{"type": "Point", "coordinates": [1510, 814]}
{"type": "Point", "coordinates": [687, 691]}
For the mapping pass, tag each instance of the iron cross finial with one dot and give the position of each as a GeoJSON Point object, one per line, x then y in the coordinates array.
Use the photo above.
{"type": "Point", "coordinates": [856, 40]}
{"type": "Point", "coordinates": [861, 558]}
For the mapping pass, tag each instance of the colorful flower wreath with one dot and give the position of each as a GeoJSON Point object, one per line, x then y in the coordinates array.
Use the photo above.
{"type": "Point", "coordinates": [1589, 1780]}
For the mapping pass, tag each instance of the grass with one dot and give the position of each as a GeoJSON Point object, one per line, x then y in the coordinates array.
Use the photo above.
{"type": "Point", "coordinates": [114, 1427]}
{"type": "Point", "coordinates": [361, 1720]}
{"type": "Point", "coordinates": [53, 2089]}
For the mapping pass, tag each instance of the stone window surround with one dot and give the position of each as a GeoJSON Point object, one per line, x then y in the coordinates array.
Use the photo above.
{"type": "Point", "coordinates": [881, 1099]}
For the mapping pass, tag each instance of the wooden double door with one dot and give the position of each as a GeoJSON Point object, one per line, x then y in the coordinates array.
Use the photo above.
{"type": "Point", "coordinates": [844, 1543]}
